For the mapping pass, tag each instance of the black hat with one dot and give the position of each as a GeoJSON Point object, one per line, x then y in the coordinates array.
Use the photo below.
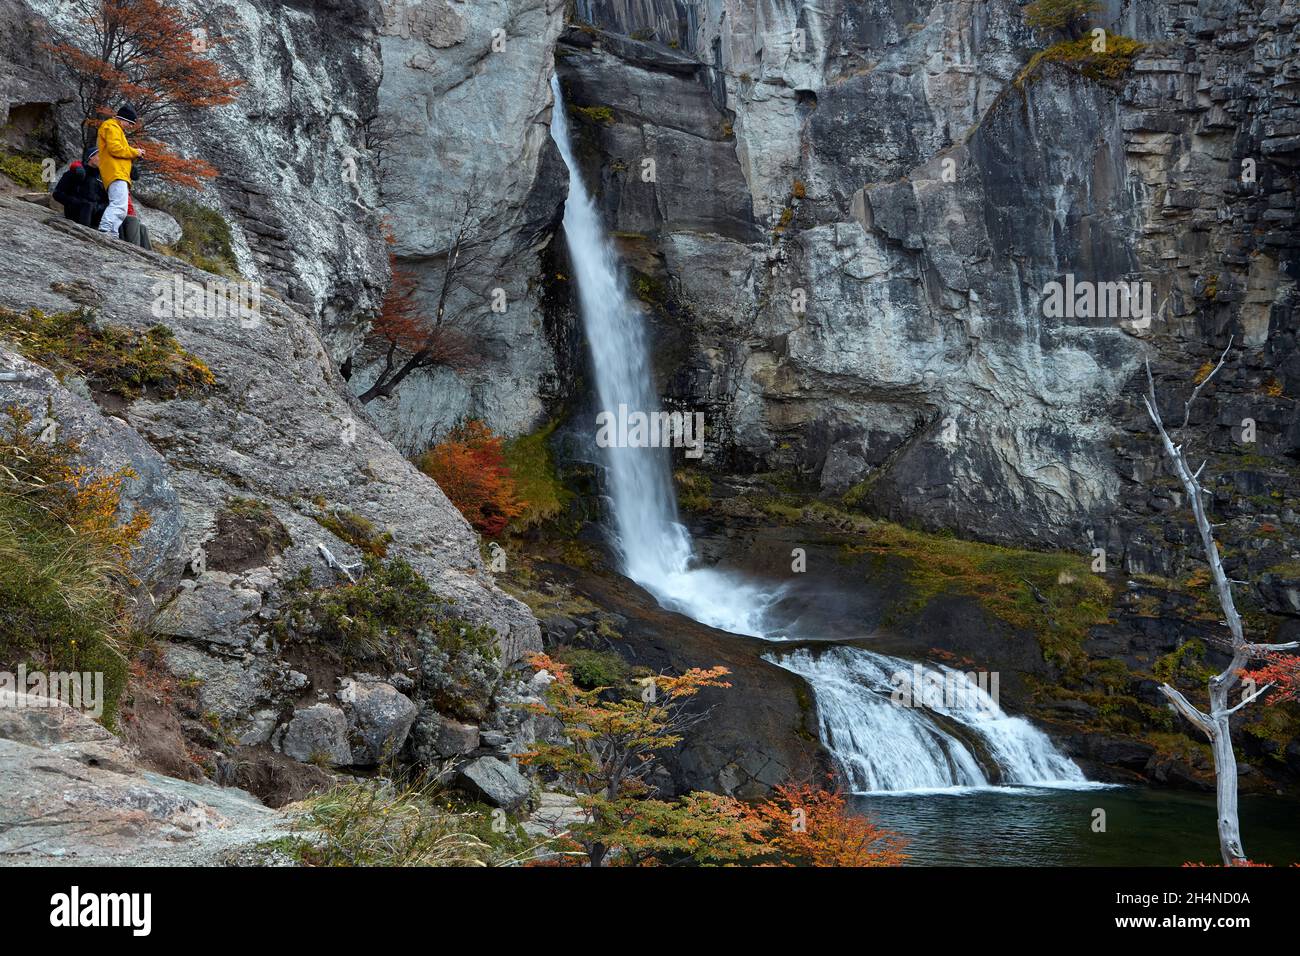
{"type": "Point", "coordinates": [91, 151]}
{"type": "Point", "coordinates": [126, 112]}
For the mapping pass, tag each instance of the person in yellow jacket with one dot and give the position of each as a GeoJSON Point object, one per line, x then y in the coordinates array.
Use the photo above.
{"type": "Point", "coordinates": [115, 156]}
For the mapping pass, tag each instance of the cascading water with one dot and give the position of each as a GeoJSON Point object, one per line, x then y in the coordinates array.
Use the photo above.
{"type": "Point", "coordinates": [655, 548]}
{"type": "Point", "coordinates": [882, 746]}
{"type": "Point", "coordinates": [885, 746]}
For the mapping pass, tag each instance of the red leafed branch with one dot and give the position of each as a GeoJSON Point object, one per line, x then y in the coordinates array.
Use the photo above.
{"type": "Point", "coordinates": [154, 56]}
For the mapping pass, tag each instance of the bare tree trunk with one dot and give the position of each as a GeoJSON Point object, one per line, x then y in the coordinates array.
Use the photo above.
{"type": "Point", "coordinates": [1216, 724]}
{"type": "Point", "coordinates": [1225, 792]}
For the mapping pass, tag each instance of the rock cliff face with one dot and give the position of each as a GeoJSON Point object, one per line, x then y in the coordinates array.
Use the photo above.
{"type": "Point", "coordinates": [464, 104]}
{"type": "Point", "coordinates": [889, 192]}
{"type": "Point", "coordinates": [273, 455]}
{"type": "Point", "coordinates": [295, 180]}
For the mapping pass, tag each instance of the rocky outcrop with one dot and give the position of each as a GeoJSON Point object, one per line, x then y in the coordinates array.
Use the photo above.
{"type": "Point", "coordinates": [278, 441]}
{"type": "Point", "coordinates": [74, 795]}
{"type": "Point", "coordinates": [296, 179]}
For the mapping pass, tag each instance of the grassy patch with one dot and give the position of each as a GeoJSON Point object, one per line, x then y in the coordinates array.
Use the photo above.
{"type": "Point", "coordinates": [1186, 661]}
{"type": "Point", "coordinates": [357, 531]}
{"type": "Point", "coordinates": [596, 115]}
{"type": "Point", "coordinates": [537, 482]}
{"type": "Point", "coordinates": [205, 240]}
{"type": "Point", "coordinates": [380, 823]}
{"type": "Point", "coordinates": [112, 359]}
{"type": "Point", "coordinates": [1078, 56]}
{"type": "Point", "coordinates": [694, 489]}
{"type": "Point", "coordinates": [24, 170]}
{"type": "Point", "coordinates": [1050, 594]}
{"type": "Point", "coordinates": [64, 559]}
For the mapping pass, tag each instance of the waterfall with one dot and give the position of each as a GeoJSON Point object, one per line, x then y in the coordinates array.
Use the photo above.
{"type": "Point", "coordinates": [654, 547]}
{"type": "Point", "coordinates": [882, 746]}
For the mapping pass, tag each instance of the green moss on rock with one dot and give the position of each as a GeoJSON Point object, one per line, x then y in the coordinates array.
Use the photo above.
{"type": "Point", "coordinates": [113, 360]}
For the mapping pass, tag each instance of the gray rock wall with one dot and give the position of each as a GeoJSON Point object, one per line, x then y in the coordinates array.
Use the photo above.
{"type": "Point", "coordinates": [918, 193]}
{"type": "Point", "coordinates": [466, 99]}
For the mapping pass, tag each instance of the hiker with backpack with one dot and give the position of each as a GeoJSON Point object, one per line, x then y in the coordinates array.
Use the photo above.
{"type": "Point", "coordinates": [80, 192]}
{"type": "Point", "coordinates": [115, 157]}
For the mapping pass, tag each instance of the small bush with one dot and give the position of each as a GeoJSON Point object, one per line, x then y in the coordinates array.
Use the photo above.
{"type": "Point", "coordinates": [23, 170]}
{"type": "Point", "coordinates": [471, 469]}
{"type": "Point", "coordinates": [205, 240]}
{"type": "Point", "coordinates": [593, 669]}
{"type": "Point", "coordinates": [357, 531]}
{"type": "Point", "coordinates": [1068, 16]}
{"type": "Point", "coordinates": [598, 115]}
{"type": "Point", "coordinates": [1078, 56]}
{"type": "Point", "coordinates": [112, 359]}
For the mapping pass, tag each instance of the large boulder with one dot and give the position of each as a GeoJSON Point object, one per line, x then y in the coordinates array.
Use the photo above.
{"type": "Point", "coordinates": [72, 794]}
{"type": "Point", "coordinates": [316, 734]}
{"type": "Point", "coordinates": [212, 609]}
{"type": "Point", "coordinates": [379, 718]}
{"type": "Point", "coordinates": [496, 782]}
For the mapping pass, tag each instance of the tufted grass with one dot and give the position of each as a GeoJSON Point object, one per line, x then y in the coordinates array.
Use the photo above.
{"type": "Point", "coordinates": [64, 560]}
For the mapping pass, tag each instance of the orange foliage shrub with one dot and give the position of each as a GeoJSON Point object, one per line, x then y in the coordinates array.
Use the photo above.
{"type": "Point", "coordinates": [812, 827]}
{"type": "Point", "coordinates": [470, 468]}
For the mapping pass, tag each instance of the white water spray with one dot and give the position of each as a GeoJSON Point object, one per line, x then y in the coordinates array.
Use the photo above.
{"type": "Point", "coordinates": [882, 746]}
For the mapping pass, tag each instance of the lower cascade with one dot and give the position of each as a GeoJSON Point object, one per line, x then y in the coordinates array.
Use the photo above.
{"type": "Point", "coordinates": [885, 745]}
{"type": "Point", "coordinates": [882, 746]}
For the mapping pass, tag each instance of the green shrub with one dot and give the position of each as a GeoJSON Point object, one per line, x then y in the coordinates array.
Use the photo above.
{"type": "Point", "coordinates": [537, 482]}
{"type": "Point", "coordinates": [205, 241]}
{"type": "Point", "coordinates": [593, 669]}
{"type": "Point", "coordinates": [597, 115]}
{"type": "Point", "coordinates": [381, 616]}
{"type": "Point", "coordinates": [1069, 16]}
{"type": "Point", "coordinates": [25, 170]}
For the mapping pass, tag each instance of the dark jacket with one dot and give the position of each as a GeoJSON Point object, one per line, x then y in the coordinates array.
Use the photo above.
{"type": "Point", "coordinates": [82, 195]}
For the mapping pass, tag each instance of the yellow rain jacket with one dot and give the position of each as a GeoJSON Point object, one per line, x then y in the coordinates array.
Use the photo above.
{"type": "Point", "coordinates": [115, 153]}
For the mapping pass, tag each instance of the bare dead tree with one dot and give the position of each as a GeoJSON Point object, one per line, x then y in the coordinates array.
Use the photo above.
{"type": "Point", "coordinates": [1214, 723]}
{"type": "Point", "coordinates": [418, 337]}
{"type": "Point", "coordinates": [386, 139]}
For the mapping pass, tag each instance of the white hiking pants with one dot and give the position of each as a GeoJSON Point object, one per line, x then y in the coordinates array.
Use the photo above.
{"type": "Point", "coordinates": [118, 194]}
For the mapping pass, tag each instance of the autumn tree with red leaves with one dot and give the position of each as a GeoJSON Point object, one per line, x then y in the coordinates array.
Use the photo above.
{"type": "Point", "coordinates": [154, 56]}
{"type": "Point", "coordinates": [470, 468]}
{"type": "Point", "coordinates": [410, 339]}
{"type": "Point", "coordinates": [416, 335]}
{"type": "Point", "coordinates": [1279, 677]}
